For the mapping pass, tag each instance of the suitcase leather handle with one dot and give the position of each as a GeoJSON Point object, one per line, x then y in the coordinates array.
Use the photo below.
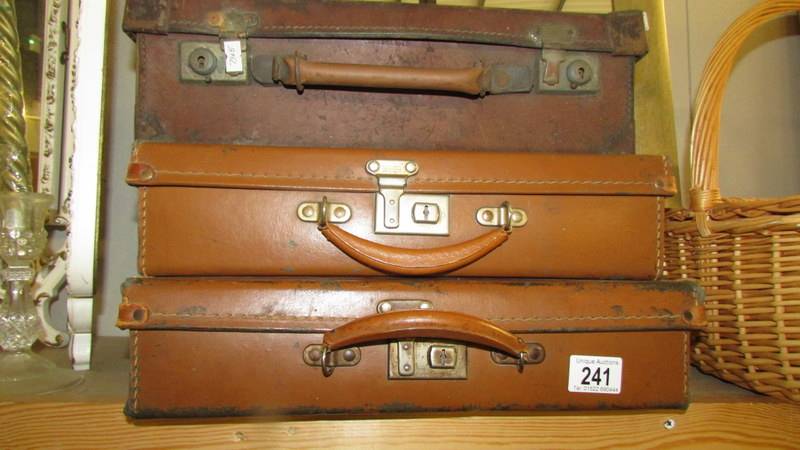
{"type": "Point", "coordinates": [408, 261]}
{"type": "Point", "coordinates": [429, 324]}
{"type": "Point", "coordinates": [294, 70]}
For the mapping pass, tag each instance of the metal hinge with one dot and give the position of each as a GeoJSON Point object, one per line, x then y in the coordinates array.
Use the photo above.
{"type": "Point", "coordinates": [347, 357]}
{"type": "Point", "coordinates": [397, 212]}
{"type": "Point", "coordinates": [501, 216]}
{"type": "Point", "coordinates": [334, 212]}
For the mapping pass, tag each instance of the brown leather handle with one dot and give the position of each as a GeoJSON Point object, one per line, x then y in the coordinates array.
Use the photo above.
{"type": "Point", "coordinates": [428, 324]}
{"type": "Point", "coordinates": [297, 71]}
{"type": "Point", "coordinates": [408, 261]}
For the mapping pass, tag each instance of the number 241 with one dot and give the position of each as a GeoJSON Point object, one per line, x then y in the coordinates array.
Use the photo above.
{"type": "Point", "coordinates": [596, 376]}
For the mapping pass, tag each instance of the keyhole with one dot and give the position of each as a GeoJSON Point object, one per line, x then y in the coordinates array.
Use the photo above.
{"type": "Point", "coordinates": [201, 62]}
{"type": "Point", "coordinates": [426, 212]}
{"type": "Point", "coordinates": [443, 357]}
{"type": "Point", "coordinates": [581, 72]}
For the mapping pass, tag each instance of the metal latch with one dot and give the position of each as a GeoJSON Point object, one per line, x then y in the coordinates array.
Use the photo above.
{"type": "Point", "coordinates": [225, 61]}
{"type": "Point", "coordinates": [213, 63]}
{"type": "Point", "coordinates": [397, 212]}
{"type": "Point", "coordinates": [424, 360]}
{"type": "Point", "coordinates": [562, 71]}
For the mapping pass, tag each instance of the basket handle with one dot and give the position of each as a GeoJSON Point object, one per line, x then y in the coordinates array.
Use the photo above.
{"type": "Point", "coordinates": [704, 147]}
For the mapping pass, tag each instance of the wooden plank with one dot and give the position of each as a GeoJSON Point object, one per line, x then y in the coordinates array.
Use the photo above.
{"type": "Point", "coordinates": [102, 425]}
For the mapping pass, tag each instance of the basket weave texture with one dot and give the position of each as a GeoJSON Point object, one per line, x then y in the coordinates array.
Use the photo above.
{"type": "Point", "coordinates": [744, 252]}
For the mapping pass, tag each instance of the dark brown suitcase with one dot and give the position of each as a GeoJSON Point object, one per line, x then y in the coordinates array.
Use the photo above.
{"type": "Point", "coordinates": [339, 74]}
{"type": "Point", "coordinates": [232, 347]}
{"type": "Point", "coordinates": [266, 211]}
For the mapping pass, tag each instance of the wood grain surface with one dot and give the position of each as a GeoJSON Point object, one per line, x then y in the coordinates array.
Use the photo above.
{"type": "Point", "coordinates": [704, 425]}
{"type": "Point", "coordinates": [90, 417]}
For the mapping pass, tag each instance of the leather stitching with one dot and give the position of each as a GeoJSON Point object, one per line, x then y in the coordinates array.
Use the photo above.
{"type": "Point", "coordinates": [418, 180]}
{"type": "Point", "coordinates": [349, 318]}
{"type": "Point", "coordinates": [408, 30]}
{"type": "Point", "coordinates": [135, 374]}
{"type": "Point", "coordinates": [660, 212]}
{"type": "Point", "coordinates": [143, 240]}
{"type": "Point", "coordinates": [686, 366]}
{"type": "Point", "coordinates": [659, 236]}
{"type": "Point", "coordinates": [434, 32]}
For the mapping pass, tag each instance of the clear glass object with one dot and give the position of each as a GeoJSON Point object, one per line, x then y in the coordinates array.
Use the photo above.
{"type": "Point", "coordinates": [22, 241]}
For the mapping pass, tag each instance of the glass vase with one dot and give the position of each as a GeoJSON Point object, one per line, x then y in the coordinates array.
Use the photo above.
{"type": "Point", "coordinates": [23, 238]}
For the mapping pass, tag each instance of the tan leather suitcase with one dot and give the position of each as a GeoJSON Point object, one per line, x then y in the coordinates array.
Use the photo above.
{"type": "Point", "coordinates": [232, 347]}
{"type": "Point", "coordinates": [258, 211]}
{"type": "Point", "coordinates": [344, 74]}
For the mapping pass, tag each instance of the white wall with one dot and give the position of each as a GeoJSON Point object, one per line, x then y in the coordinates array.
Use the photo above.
{"type": "Point", "coordinates": [760, 143]}
{"type": "Point", "coordinates": [760, 134]}
{"type": "Point", "coordinates": [118, 227]}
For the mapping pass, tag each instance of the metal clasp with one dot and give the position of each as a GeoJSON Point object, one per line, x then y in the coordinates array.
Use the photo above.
{"type": "Point", "coordinates": [425, 360]}
{"type": "Point", "coordinates": [397, 212]}
{"type": "Point", "coordinates": [569, 72]}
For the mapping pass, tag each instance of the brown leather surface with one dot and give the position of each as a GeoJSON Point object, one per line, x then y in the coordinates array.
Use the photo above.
{"type": "Point", "coordinates": [244, 221]}
{"type": "Point", "coordinates": [297, 304]}
{"type": "Point", "coordinates": [343, 169]}
{"type": "Point", "coordinates": [449, 325]}
{"type": "Point", "coordinates": [414, 261]}
{"type": "Point", "coordinates": [174, 111]}
{"type": "Point", "coordinates": [466, 81]}
{"type": "Point", "coordinates": [196, 352]}
{"type": "Point", "coordinates": [621, 32]}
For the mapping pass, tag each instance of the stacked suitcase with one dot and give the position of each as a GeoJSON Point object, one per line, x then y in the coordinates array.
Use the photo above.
{"type": "Point", "coordinates": [364, 208]}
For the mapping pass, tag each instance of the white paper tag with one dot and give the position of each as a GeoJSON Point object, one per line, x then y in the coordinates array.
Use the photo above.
{"type": "Point", "coordinates": [233, 57]}
{"type": "Point", "coordinates": [595, 374]}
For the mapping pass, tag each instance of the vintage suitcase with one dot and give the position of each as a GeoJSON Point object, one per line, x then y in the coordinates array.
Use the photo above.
{"type": "Point", "coordinates": [258, 211]}
{"type": "Point", "coordinates": [339, 74]}
{"type": "Point", "coordinates": [225, 347]}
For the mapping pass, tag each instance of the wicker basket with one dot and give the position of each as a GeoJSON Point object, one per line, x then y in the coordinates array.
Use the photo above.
{"type": "Point", "coordinates": [744, 252]}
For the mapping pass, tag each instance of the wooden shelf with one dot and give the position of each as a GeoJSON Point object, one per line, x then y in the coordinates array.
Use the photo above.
{"type": "Point", "coordinates": [90, 416]}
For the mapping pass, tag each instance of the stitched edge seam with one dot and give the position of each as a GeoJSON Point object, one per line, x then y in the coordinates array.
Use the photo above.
{"type": "Point", "coordinates": [659, 237]}
{"type": "Point", "coordinates": [143, 240]}
{"type": "Point", "coordinates": [135, 373]}
{"type": "Point", "coordinates": [329, 318]}
{"type": "Point", "coordinates": [408, 30]}
{"type": "Point", "coordinates": [660, 213]}
{"type": "Point", "coordinates": [606, 44]}
{"type": "Point", "coordinates": [686, 366]}
{"type": "Point", "coordinates": [426, 180]}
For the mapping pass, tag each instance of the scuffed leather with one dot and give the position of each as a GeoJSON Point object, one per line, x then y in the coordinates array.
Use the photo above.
{"type": "Point", "coordinates": [232, 210]}
{"type": "Point", "coordinates": [234, 346]}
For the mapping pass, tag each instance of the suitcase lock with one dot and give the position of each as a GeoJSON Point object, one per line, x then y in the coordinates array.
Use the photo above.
{"type": "Point", "coordinates": [398, 212]}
